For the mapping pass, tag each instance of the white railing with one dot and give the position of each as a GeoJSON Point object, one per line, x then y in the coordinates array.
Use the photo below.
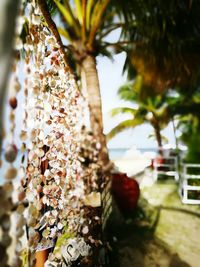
{"type": "Point", "coordinates": [165, 168]}
{"type": "Point", "coordinates": [190, 193]}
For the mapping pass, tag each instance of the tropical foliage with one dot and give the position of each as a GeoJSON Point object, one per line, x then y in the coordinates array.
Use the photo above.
{"type": "Point", "coordinates": [151, 108]}
{"type": "Point", "coordinates": [165, 37]}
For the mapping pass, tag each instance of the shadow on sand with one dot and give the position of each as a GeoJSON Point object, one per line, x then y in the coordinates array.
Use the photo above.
{"type": "Point", "coordinates": [134, 243]}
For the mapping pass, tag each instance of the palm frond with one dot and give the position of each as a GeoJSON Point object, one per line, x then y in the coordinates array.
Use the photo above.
{"type": "Point", "coordinates": [124, 125]}
{"type": "Point", "coordinates": [89, 8]}
{"type": "Point", "coordinates": [126, 92]}
{"type": "Point", "coordinates": [97, 20]}
{"type": "Point", "coordinates": [64, 33]}
{"type": "Point", "coordinates": [125, 110]}
{"type": "Point", "coordinates": [68, 15]}
{"type": "Point", "coordinates": [78, 8]}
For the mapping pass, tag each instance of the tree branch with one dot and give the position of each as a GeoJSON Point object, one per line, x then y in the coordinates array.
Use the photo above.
{"type": "Point", "coordinates": [52, 26]}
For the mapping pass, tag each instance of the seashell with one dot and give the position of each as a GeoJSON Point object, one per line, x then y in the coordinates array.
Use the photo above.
{"type": "Point", "coordinates": [60, 226]}
{"type": "Point", "coordinates": [8, 188]}
{"type": "Point", "coordinates": [23, 147]}
{"type": "Point", "coordinates": [93, 199]}
{"type": "Point", "coordinates": [19, 233]}
{"type": "Point", "coordinates": [12, 128]}
{"type": "Point", "coordinates": [5, 222]}
{"type": "Point", "coordinates": [31, 221]}
{"type": "Point", "coordinates": [12, 116]}
{"type": "Point", "coordinates": [33, 134]}
{"type": "Point", "coordinates": [36, 90]}
{"type": "Point", "coordinates": [40, 153]}
{"type": "Point", "coordinates": [23, 135]}
{"type": "Point", "coordinates": [33, 211]}
{"type": "Point", "coordinates": [11, 173]}
{"type": "Point", "coordinates": [21, 196]}
{"type": "Point", "coordinates": [51, 220]}
{"type": "Point", "coordinates": [13, 102]}
{"type": "Point", "coordinates": [41, 137]}
{"type": "Point", "coordinates": [6, 240]}
{"type": "Point", "coordinates": [17, 85]}
{"type": "Point", "coordinates": [20, 209]}
{"type": "Point", "coordinates": [85, 230]}
{"type": "Point", "coordinates": [11, 153]}
{"type": "Point", "coordinates": [34, 238]}
{"type": "Point", "coordinates": [31, 169]}
{"type": "Point", "coordinates": [20, 221]}
{"type": "Point", "coordinates": [53, 83]}
{"type": "Point", "coordinates": [46, 232]}
{"type": "Point", "coordinates": [39, 205]}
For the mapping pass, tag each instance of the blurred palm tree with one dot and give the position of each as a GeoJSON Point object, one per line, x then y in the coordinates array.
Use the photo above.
{"type": "Point", "coordinates": [166, 43]}
{"type": "Point", "coordinates": [151, 108]}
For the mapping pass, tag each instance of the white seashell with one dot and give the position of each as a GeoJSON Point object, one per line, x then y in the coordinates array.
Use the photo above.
{"type": "Point", "coordinates": [85, 230]}
{"type": "Point", "coordinates": [18, 43]}
{"type": "Point", "coordinates": [36, 19]}
{"type": "Point", "coordinates": [40, 153]}
{"type": "Point", "coordinates": [30, 196]}
{"type": "Point", "coordinates": [93, 199]}
{"type": "Point", "coordinates": [60, 226]}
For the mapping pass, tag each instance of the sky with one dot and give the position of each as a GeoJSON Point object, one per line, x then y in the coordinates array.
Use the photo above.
{"type": "Point", "coordinates": [110, 76]}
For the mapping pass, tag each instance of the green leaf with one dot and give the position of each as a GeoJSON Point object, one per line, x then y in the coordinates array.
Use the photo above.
{"type": "Point", "coordinates": [64, 33]}
{"type": "Point", "coordinates": [117, 111]}
{"type": "Point", "coordinates": [78, 8]}
{"type": "Point", "coordinates": [62, 240]}
{"type": "Point", "coordinates": [90, 4]}
{"type": "Point", "coordinates": [65, 12]}
{"type": "Point", "coordinates": [97, 20]}
{"type": "Point", "coordinates": [126, 92]}
{"type": "Point", "coordinates": [127, 124]}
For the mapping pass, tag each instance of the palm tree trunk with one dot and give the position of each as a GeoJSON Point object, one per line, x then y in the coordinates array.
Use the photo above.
{"type": "Point", "coordinates": [175, 137]}
{"type": "Point", "coordinates": [94, 102]}
{"type": "Point", "coordinates": [158, 138]}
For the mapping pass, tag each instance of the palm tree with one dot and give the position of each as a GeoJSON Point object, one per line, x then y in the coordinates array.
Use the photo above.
{"type": "Point", "coordinates": [151, 109]}
{"type": "Point", "coordinates": [167, 51]}
{"type": "Point", "coordinates": [85, 27]}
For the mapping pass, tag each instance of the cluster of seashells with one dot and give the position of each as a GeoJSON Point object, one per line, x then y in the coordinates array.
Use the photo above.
{"type": "Point", "coordinates": [53, 127]}
{"type": "Point", "coordinates": [59, 192]}
{"type": "Point", "coordinates": [10, 155]}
